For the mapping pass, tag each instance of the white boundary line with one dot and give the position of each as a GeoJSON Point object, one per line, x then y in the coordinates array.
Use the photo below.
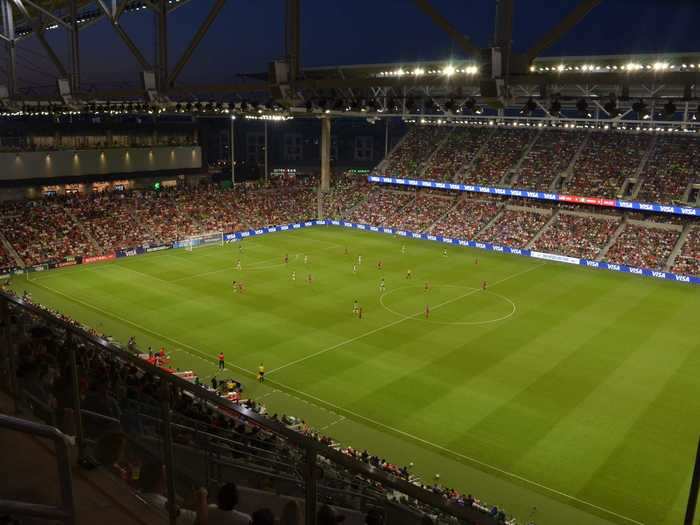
{"type": "Point", "coordinates": [471, 459]}
{"type": "Point", "coordinates": [140, 327]}
{"type": "Point", "coordinates": [356, 415]}
{"type": "Point", "coordinates": [394, 323]}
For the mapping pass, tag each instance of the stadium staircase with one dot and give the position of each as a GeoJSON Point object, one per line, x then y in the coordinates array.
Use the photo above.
{"type": "Point", "coordinates": [613, 238]}
{"type": "Point", "coordinates": [562, 180]}
{"type": "Point", "coordinates": [456, 203]}
{"type": "Point", "coordinates": [491, 222]}
{"type": "Point", "coordinates": [678, 247]}
{"type": "Point", "coordinates": [93, 242]}
{"type": "Point", "coordinates": [438, 147]}
{"type": "Point", "coordinates": [467, 169]}
{"type": "Point", "coordinates": [11, 250]}
{"type": "Point", "coordinates": [691, 196]}
{"type": "Point", "coordinates": [98, 496]}
{"type": "Point", "coordinates": [381, 167]}
{"type": "Point", "coordinates": [547, 224]}
{"type": "Point", "coordinates": [512, 175]}
{"type": "Point", "coordinates": [638, 177]}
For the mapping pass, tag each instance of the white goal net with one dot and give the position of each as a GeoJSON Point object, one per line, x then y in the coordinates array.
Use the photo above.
{"type": "Point", "coordinates": [205, 239]}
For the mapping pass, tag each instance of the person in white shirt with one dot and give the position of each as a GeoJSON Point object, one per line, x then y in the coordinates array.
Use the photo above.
{"type": "Point", "coordinates": [224, 512]}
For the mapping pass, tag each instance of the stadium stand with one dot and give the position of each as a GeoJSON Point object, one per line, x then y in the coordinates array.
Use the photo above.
{"type": "Point", "coordinates": [420, 214]}
{"type": "Point", "coordinates": [688, 261]}
{"type": "Point", "coordinates": [416, 148]}
{"type": "Point", "coordinates": [643, 247]}
{"type": "Point", "coordinates": [456, 153]}
{"type": "Point", "coordinates": [606, 161]}
{"type": "Point", "coordinates": [576, 236]}
{"type": "Point", "coordinates": [514, 227]}
{"type": "Point", "coordinates": [344, 196]}
{"type": "Point", "coordinates": [44, 231]}
{"type": "Point", "coordinates": [99, 213]}
{"type": "Point", "coordinates": [673, 165]}
{"type": "Point", "coordinates": [500, 153]}
{"type": "Point", "coordinates": [466, 219]}
{"type": "Point", "coordinates": [381, 207]}
{"type": "Point", "coordinates": [549, 157]}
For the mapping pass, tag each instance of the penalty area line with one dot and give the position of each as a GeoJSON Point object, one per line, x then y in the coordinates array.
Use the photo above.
{"type": "Point", "coordinates": [394, 323]}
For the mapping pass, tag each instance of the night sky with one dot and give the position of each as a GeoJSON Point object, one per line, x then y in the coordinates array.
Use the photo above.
{"type": "Point", "coordinates": [249, 33]}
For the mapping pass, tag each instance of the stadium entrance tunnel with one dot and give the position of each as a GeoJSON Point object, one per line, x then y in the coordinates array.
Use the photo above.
{"type": "Point", "coordinates": [448, 304]}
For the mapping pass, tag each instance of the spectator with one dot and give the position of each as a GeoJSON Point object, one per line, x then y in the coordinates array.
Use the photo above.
{"type": "Point", "coordinates": [224, 512]}
{"type": "Point", "coordinates": [374, 517]}
{"type": "Point", "coordinates": [153, 486]}
{"type": "Point", "coordinates": [290, 514]}
{"type": "Point", "coordinates": [327, 516]}
{"type": "Point", "coordinates": [263, 517]}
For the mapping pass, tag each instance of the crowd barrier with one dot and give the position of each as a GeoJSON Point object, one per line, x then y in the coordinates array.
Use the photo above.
{"type": "Point", "coordinates": [540, 195]}
{"type": "Point", "coordinates": [237, 236]}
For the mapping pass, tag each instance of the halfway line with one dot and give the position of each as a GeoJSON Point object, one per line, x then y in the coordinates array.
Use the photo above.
{"type": "Point", "coordinates": [393, 323]}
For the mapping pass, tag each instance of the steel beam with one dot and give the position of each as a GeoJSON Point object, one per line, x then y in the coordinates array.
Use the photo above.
{"type": "Point", "coordinates": [48, 14]}
{"type": "Point", "coordinates": [563, 27]}
{"type": "Point", "coordinates": [293, 39]}
{"type": "Point", "coordinates": [503, 39]}
{"type": "Point", "coordinates": [74, 40]}
{"type": "Point", "coordinates": [38, 26]}
{"type": "Point", "coordinates": [196, 39]}
{"type": "Point", "coordinates": [461, 40]}
{"type": "Point", "coordinates": [162, 45]}
{"type": "Point", "coordinates": [133, 48]}
{"type": "Point", "coordinates": [8, 25]}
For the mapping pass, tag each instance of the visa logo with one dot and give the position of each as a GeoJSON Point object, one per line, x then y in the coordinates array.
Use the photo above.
{"type": "Point", "coordinates": [683, 278]}
{"type": "Point", "coordinates": [516, 251]}
{"type": "Point", "coordinates": [637, 271]}
{"type": "Point", "coordinates": [592, 264]}
{"type": "Point", "coordinates": [480, 245]}
{"type": "Point", "coordinates": [615, 267]}
{"type": "Point", "coordinates": [660, 275]}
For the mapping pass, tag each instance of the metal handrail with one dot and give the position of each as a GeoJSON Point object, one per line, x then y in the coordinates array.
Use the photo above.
{"type": "Point", "coordinates": [64, 512]}
{"type": "Point", "coordinates": [312, 447]}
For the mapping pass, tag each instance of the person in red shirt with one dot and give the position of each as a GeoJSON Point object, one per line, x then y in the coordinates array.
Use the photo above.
{"type": "Point", "coordinates": [221, 360]}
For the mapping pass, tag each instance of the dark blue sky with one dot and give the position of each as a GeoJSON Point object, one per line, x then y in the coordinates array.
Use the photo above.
{"type": "Point", "coordinates": [249, 33]}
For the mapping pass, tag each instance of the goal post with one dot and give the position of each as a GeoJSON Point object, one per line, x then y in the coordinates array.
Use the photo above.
{"type": "Point", "coordinates": [204, 239]}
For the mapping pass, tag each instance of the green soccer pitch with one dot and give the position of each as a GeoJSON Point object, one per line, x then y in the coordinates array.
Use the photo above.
{"type": "Point", "coordinates": [564, 394]}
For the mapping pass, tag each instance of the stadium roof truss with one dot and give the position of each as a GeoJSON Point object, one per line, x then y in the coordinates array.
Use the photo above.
{"type": "Point", "coordinates": [495, 79]}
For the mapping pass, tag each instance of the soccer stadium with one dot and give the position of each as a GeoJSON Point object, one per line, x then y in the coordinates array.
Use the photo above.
{"type": "Point", "coordinates": [345, 272]}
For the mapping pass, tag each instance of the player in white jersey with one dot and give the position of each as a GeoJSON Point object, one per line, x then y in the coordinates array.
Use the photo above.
{"type": "Point", "coordinates": [294, 276]}
{"type": "Point", "coordinates": [354, 268]}
{"type": "Point", "coordinates": [238, 265]}
{"type": "Point", "coordinates": [359, 259]}
{"type": "Point", "coordinates": [382, 286]}
{"type": "Point", "coordinates": [306, 259]}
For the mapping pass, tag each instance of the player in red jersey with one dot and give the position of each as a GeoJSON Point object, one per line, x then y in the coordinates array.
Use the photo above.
{"type": "Point", "coordinates": [221, 361]}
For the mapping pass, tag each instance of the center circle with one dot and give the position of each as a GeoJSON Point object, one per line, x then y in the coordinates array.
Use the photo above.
{"type": "Point", "coordinates": [448, 304]}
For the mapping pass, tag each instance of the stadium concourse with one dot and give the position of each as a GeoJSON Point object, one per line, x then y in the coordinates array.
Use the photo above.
{"type": "Point", "coordinates": [60, 230]}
